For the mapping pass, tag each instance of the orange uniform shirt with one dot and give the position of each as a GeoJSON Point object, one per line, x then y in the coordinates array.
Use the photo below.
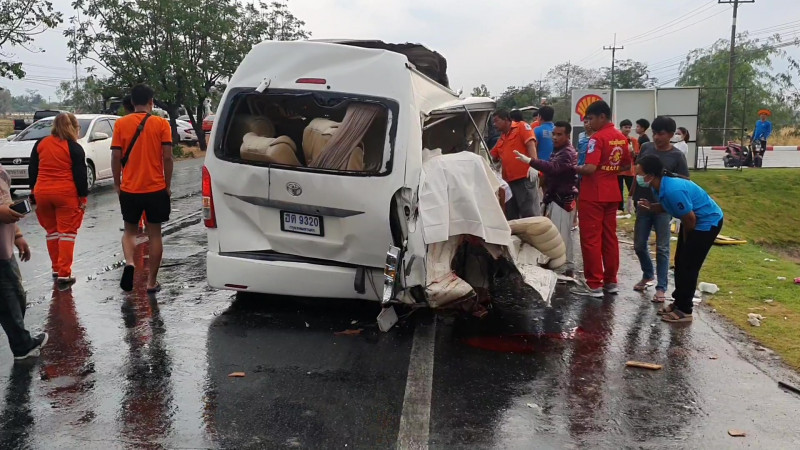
{"type": "Point", "coordinates": [144, 172]}
{"type": "Point", "coordinates": [516, 139]}
{"type": "Point", "coordinates": [55, 168]}
{"type": "Point", "coordinates": [608, 150]}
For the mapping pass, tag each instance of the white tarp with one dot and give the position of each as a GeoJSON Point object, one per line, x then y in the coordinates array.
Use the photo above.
{"type": "Point", "coordinates": [457, 197]}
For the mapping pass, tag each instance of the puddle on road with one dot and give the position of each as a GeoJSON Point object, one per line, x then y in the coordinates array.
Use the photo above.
{"type": "Point", "coordinates": [524, 342]}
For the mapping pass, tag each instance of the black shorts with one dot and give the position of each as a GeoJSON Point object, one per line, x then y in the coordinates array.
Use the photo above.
{"type": "Point", "coordinates": [155, 204]}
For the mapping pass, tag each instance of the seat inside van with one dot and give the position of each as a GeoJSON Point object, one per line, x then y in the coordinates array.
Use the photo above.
{"type": "Point", "coordinates": [307, 130]}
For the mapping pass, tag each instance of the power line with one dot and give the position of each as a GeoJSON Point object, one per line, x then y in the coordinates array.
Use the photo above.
{"type": "Point", "coordinates": [678, 29]}
{"type": "Point", "coordinates": [668, 24]}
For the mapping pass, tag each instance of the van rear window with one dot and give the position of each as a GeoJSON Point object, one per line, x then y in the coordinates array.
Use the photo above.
{"type": "Point", "coordinates": [308, 131]}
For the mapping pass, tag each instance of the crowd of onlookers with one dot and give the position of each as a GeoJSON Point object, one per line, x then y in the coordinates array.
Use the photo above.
{"type": "Point", "coordinates": [583, 189]}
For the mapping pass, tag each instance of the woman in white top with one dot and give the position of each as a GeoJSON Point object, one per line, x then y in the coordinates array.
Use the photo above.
{"type": "Point", "coordinates": [680, 140]}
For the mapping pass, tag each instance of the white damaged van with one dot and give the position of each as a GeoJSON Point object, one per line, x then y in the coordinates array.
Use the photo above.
{"type": "Point", "coordinates": [315, 183]}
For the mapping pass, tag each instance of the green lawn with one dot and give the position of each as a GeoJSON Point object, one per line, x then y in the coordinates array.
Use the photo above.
{"type": "Point", "coordinates": [760, 205]}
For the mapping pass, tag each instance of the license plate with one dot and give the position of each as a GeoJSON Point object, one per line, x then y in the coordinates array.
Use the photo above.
{"type": "Point", "coordinates": [302, 223]}
{"type": "Point", "coordinates": [17, 172]}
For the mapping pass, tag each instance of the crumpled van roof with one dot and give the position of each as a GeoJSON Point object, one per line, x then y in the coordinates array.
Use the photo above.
{"type": "Point", "coordinates": [427, 61]}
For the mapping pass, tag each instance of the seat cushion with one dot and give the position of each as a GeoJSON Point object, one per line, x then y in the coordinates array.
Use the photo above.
{"type": "Point", "coordinates": [279, 150]}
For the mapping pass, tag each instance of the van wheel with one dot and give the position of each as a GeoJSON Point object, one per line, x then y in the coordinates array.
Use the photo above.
{"type": "Point", "coordinates": [90, 175]}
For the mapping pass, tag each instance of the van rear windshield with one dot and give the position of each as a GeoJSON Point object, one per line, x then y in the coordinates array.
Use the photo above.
{"type": "Point", "coordinates": [308, 131]}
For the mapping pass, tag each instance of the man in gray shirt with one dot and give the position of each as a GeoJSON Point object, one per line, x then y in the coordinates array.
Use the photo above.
{"type": "Point", "coordinates": [674, 161]}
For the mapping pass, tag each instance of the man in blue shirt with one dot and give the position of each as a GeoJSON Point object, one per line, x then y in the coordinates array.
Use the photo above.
{"type": "Point", "coordinates": [762, 132]}
{"type": "Point", "coordinates": [701, 222]}
{"type": "Point", "coordinates": [544, 133]}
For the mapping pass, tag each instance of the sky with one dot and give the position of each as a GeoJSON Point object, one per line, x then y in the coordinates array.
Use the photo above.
{"type": "Point", "coordinates": [499, 44]}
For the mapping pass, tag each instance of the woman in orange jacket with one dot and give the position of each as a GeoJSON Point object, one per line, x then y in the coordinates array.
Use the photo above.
{"type": "Point", "coordinates": [58, 181]}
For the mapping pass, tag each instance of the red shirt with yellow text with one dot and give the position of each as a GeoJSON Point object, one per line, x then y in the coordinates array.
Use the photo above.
{"type": "Point", "coordinates": [608, 150]}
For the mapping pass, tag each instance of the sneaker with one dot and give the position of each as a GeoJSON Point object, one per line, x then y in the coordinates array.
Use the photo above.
{"type": "Point", "coordinates": [589, 292]}
{"type": "Point", "coordinates": [38, 342]}
{"type": "Point", "coordinates": [65, 283]}
{"type": "Point", "coordinates": [611, 288]}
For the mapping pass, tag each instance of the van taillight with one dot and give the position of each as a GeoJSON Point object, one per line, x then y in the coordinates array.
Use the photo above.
{"type": "Point", "coordinates": [209, 217]}
{"type": "Point", "coordinates": [311, 81]}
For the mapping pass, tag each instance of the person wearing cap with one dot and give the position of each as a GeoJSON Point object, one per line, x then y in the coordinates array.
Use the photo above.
{"type": "Point", "coordinates": [762, 131]}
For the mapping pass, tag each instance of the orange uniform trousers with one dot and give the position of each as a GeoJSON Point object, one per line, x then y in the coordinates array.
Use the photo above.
{"type": "Point", "coordinates": [60, 216]}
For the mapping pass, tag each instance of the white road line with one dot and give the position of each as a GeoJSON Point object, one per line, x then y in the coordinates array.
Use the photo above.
{"type": "Point", "coordinates": [415, 419]}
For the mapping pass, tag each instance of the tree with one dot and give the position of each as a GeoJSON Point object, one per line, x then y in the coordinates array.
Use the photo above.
{"type": "Point", "coordinates": [628, 74]}
{"type": "Point", "coordinates": [564, 77]}
{"type": "Point", "coordinates": [521, 96]}
{"type": "Point", "coordinates": [20, 21]}
{"type": "Point", "coordinates": [5, 101]}
{"type": "Point", "coordinates": [481, 91]}
{"type": "Point", "coordinates": [89, 97]}
{"type": "Point", "coordinates": [755, 86]}
{"type": "Point", "coordinates": [183, 49]}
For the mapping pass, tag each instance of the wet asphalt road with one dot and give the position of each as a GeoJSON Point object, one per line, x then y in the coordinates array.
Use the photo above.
{"type": "Point", "coordinates": [129, 371]}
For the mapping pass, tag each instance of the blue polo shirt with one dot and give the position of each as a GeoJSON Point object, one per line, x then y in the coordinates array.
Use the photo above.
{"type": "Point", "coordinates": [679, 197]}
{"type": "Point", "coordinates": [544, 140]}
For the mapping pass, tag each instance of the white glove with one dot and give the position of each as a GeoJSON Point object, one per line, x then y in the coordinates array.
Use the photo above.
{"type": "Point", "coordinates": [523, 158]}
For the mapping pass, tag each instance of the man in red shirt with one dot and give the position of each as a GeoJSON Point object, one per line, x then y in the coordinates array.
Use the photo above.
{"type": "Point", "coordinates": [607, 155]}
{"type": "Point", "coordinates": [525, 201]}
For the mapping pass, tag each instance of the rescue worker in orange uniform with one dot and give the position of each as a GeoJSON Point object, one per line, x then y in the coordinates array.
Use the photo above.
{"type": "Point", "coordinates": [606, 156]}
{"type": "Point", "coordinates": [58, 180]}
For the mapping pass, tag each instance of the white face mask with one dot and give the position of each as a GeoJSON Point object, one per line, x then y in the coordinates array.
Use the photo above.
{"type": "Point", "coordinates": [676, 138]}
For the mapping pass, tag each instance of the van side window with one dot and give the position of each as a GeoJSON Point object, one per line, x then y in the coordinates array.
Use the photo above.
{"type": "Point", "coordinates": [308, 131]}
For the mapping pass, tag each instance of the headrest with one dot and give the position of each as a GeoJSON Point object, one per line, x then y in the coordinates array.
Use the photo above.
{"type": "Point", "coordinates": [280, 150]}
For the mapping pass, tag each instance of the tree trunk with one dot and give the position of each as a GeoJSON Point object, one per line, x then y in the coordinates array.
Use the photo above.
{"type": "Point", "coordinates": [198, 126]}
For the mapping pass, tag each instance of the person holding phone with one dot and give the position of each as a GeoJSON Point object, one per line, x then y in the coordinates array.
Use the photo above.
{"type": "Point", "coordinates": [701, 222]}
{"type": "Point", "coordinates": [58, 180]}
{"type": "Point", "coordinates": [12, 295]}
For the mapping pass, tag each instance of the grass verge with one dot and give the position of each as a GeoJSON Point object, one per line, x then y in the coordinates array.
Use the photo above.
{"type": "Point", "coordinates": [759, 207]}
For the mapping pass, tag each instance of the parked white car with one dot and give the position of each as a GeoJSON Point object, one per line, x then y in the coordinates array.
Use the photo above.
{"type": "Point", "coordinates": [95, 138]}
{"type": "Point", "coordinates": [186, 132]}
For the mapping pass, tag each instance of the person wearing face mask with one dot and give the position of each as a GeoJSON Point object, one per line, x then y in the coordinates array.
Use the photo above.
{"type": "Point", "coordinates": [674, 161]}
{"type": "Point", "coordinates": [701, 222]}
{"type": "Point", "coordinates": [680, 141]}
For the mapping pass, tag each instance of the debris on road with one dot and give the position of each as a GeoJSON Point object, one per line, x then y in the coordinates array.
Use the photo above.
{"type": "Point", "coordinates": [348, 332]}
{"type": "Point", "coordinates": [708, 288]}
{"type": "Point", "coordinates": [236, 375]}
{"type": "Point", "coordinates": [713, 357]}
{"type": "Point", "coordinates": [737, 433]}
{"type": "Point", "coordinates": [643, 365]}
{"type": "Point", "coordinates": [789, 387]}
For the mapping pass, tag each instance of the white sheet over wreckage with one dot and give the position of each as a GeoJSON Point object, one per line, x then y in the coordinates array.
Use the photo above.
{"type": "Point", "coordinates": [457, 197]}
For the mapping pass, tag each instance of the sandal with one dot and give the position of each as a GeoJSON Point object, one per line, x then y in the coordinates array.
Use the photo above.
{"type": "Point", "coordinates": [659, 297]}
{"type": "Point", "coordinates": [642, 285]}
{"type": "Point", "coordinates": [677, 316]}
{"type": "Point", "coordinates": [666, 309]}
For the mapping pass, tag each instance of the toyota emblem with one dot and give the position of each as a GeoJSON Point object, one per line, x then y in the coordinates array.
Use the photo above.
{"type": "Point", "coordinates": [17, 161]}
{"type": "Point", "coordinates": [294, 189]}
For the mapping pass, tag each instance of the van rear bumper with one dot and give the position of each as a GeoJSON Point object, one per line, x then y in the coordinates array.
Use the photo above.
{"type": "Point", "coordinates": [248, 273]}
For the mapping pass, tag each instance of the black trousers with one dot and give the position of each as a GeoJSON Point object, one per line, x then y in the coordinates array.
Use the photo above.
{"type": "Point", "coordinates": [12, 307]}
{"type": "Point", "coordinates": [689, 258]}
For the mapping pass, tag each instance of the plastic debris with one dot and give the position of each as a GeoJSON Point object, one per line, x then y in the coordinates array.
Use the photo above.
{"type": "Point", "coordinates": [737, 433]}
{"type": "Point", "coordinates": [755, 319]}
{"type": "Point", "coordinates": [307, 325]}
{"type": "Point", "coordinates": [643, 365]}
{"type": "Point", "coordinates": [781, 278]}
{"type": "Point", "coordinates": [770, 260]}
{"type": "Point", "coordinates": [713, 357]}
{"type": "Point", "coordinates": [236, 374]}
{"type": "Point", "coordinates": [769, 300]}
{"type": "Point", "coordinates": [697, 300]}
{"type": "Point", "coordinates": [797, 280]}
{"type": "Point", "coordinates": [708, 288]}
{"type": "Point", "coordinates": [624, 216]}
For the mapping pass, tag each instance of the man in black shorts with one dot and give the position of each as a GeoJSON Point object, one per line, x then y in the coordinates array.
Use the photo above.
{"type": "Point", "coordinates": [142, 166]}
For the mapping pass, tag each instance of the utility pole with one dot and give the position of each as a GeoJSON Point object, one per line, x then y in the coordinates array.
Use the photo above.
{"type": "Point", "coordinates": [539, 91]}
{"type": "Point", "coordinates": [613, 49]}
{"type": "Point", "coordinates": [566, 85]}
{"type": "Point", "coordinates": [731, 64]}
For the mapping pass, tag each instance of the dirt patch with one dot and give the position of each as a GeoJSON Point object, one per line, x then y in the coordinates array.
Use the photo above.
{"type": "Point", "coordinates": [790, 253]}
{"type": "Point", "coordinates": [6, 127]}
{"type": "Point", "coordinates": [190, 152]}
